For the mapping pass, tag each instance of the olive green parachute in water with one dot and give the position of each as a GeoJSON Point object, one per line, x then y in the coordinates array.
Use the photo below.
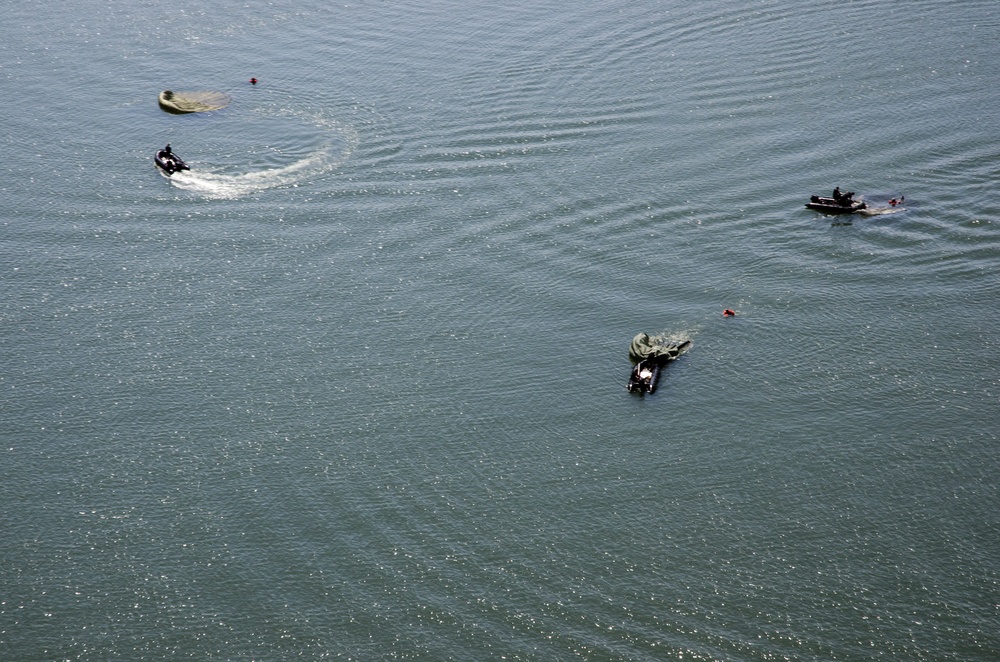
{"type": "Point", "coordinates": [192, 102]}
{"type": "Point", "coordinates": [644, 346]}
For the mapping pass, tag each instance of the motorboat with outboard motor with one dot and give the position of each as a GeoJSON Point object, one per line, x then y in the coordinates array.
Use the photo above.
{"type": "Point", "coordinates": [831, 206]}
{"type": "Point", "coordinates": [169, 162]}
{"type": "Point", "coordinates": [650, 355]}
{"type": "Point", "coordinates": [645, 376]}
{"type": "Point", "coordinates": [840, 203]}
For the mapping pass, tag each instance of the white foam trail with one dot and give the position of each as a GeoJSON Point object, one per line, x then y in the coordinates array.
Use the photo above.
{"type": "Point", "coordinates": [880, 211]}
{"type": "Point", "coordinates": [325, 159]}
{"type": "Point", "coordinates": [233, 186]}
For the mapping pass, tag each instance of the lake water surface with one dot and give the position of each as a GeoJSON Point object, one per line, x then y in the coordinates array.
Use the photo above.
{"type": "Point", "coordinates": [353, 387]}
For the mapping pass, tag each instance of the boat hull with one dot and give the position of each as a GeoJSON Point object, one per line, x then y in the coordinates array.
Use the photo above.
{"type": "Point", "coordinates": [831, 206]}
{"type": "Point", "coordinates": [645, 376]}
{"type": "Point", "coordinates": [169, 163]}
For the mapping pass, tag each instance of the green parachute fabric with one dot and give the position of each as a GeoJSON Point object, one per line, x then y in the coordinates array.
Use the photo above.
{"type": "Point", "coordinates": [192, 102]}
{"type": "Point", "coordinates": [644, 346]}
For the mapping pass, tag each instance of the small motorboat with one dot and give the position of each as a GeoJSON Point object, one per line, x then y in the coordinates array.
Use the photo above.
{"type": "Point", "coordinates": [169, 162]}
{"type": "Point", "coordinates": [645, 376]}
{"type": "Point", "coordinates": [839, 204]}
{"type": "Point", "coordinates": [650, 356]}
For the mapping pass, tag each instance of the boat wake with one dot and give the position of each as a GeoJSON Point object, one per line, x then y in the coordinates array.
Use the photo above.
{"type": "Point", "coordinates": [880, 211]}
{"type": "Point", "coordinates": [685, 338]}
{"type": "Point", "coordinates": [213, 185]}
{"type": "Point", "coordinates": [337, 143]}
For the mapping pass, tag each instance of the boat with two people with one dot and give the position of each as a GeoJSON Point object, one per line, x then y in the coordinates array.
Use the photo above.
{"type": "Point", "coordinates": [169, 162]}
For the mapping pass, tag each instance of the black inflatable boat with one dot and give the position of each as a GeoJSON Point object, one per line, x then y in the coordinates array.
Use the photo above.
{"type": "Point", "coordinates": [840, 203]}
{"type": "Point", "coordinates": [169, 162]}
{"type": "Point", "coordinates": [650, 357]}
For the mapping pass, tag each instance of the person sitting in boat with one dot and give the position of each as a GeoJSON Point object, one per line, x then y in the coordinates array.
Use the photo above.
{"type": "Point", "coordinates": [166, 150]}
{"type": "Point", "coordinates": [836, 194]}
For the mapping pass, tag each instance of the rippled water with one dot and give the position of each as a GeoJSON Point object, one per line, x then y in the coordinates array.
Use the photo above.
{"type": "Point", "coordinates": [353, 387]}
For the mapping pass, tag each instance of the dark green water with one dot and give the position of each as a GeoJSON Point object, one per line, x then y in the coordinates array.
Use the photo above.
{"type": "Point", "coordinates": [353, 388]}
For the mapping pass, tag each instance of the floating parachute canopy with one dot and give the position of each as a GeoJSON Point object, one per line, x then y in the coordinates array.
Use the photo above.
{"type": "Point", "coordinates": [644, 346]}
{"type": "Point", "coordinates": [192, 102]}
